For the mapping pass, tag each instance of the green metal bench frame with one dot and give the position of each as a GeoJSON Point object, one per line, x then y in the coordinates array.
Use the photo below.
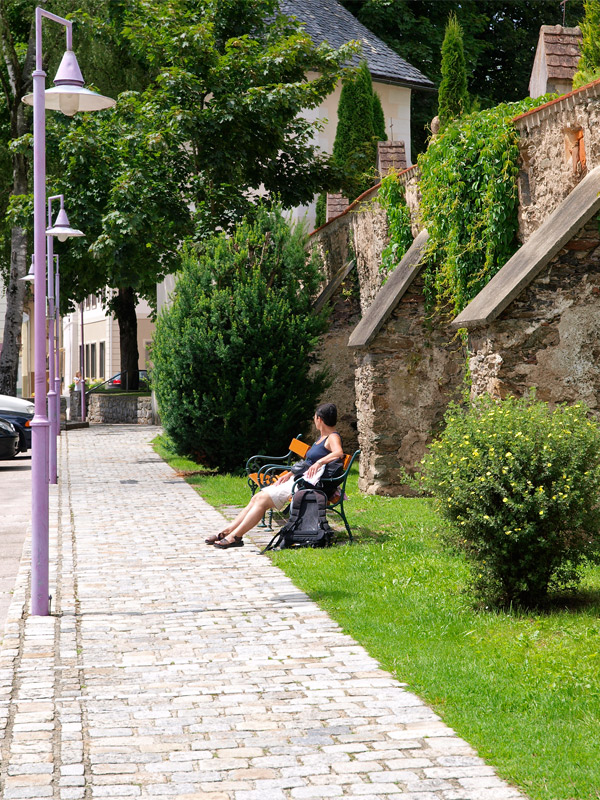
{"type": "Point", "coordinates": [267, 468]}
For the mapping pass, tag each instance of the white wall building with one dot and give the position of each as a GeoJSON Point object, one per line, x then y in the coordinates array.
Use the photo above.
{"type": "Point", "coordinates": [101, 340]}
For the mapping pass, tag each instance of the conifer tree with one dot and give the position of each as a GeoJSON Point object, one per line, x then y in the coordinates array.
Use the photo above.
{"type": "Point", "coordinates": [378, 118]}
{"type": "Point", "coordinates": [453, 95]}
{"type": "Point", "coordinates": [355, 144]}
{"type": "Point", "coordinates": [589, 64]}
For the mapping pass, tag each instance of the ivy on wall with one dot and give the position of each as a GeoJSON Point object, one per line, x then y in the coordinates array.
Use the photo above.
{"type": "Point", "coordinates": [391, 198]}
{"type": "Point", "coordinates": [469, 202]}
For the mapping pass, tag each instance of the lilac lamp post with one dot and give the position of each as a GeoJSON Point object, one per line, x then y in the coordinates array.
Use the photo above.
{"type": "Point", "coordinates": [82, 367]}
{"type": "Point", "coordinates": [63, 231]}
{"type": "Point", "coordinates": [68, 96]}
{"type": "Point", "coordinates": [57, 342]}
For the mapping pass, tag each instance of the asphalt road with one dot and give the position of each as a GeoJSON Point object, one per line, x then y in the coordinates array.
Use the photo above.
{"type": "Point", "coordinates": [15, 516]}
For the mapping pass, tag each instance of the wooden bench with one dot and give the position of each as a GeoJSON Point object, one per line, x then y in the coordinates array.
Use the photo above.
{"type": "Point", "coordinates": [263, 470]}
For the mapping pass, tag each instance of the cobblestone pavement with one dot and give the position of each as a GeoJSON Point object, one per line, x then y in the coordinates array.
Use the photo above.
{"type": "Point", "coordinates": [170, 669]}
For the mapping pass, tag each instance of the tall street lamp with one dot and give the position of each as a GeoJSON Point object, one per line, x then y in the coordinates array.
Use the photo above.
{"type": "Point", "coordinates": [63, 231]}
{"type": "Point", "coordinates": [57, 381]}
{"type": "Point", "coordinates": [68, 96]}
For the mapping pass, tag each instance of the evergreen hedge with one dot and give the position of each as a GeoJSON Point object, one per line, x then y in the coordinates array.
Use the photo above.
{"type": "Point", "coordinates": [233, 354]}
{"type": "Point", "coordinates": [453, 96]}
{"type": "Point", "coordinates": [355, 145]}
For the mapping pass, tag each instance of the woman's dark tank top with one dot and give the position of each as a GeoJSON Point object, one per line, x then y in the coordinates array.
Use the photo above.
{"type": "Point", "coordinates": [317, 451]}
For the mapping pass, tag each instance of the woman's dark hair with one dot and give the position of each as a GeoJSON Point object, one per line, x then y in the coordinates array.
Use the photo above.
{"type": "Point", "coordinates": [328, 413]}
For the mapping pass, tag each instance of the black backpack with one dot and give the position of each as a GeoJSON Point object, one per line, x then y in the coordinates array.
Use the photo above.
{"type": "Point", "coordinates": [307, 525]}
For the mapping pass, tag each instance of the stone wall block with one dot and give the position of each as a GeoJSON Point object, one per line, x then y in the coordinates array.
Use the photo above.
{"type": "Point", "coordinates": [549, 336]}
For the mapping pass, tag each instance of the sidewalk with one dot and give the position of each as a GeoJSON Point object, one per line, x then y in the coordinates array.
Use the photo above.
{"type": "Point", "coordinates": [170, 669]}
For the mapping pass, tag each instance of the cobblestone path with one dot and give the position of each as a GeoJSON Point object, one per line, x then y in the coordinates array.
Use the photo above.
{"type": "Point", "coordinates": [170, 669]}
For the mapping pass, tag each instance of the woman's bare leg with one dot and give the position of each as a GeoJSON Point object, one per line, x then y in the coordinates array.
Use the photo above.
{"type": "Point", "coordinates": [253, 512]}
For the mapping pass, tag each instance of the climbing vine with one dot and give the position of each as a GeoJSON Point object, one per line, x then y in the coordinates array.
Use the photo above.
{"type": "Point", "coordinates": [391, 198]}
{"type": "Point", "coordinates": [469, 202]}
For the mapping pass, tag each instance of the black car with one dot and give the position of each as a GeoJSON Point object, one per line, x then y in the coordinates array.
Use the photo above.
{"type": "Point", "coordinates": [22, 424]}
{"type": "Point", "coordinates": [9, 439]}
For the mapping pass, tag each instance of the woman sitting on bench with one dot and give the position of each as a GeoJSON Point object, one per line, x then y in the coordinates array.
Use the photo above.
{"type": "Point", "coordinates": [326, 450]}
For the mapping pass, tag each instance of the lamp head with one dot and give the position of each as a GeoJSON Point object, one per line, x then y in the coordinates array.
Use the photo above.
{"type": "Point", "coordinates": [68, 94]}
{"type": "Point", "coordinates": [30, 277]}
{"type": "Point", "coordinates": [62, 229]}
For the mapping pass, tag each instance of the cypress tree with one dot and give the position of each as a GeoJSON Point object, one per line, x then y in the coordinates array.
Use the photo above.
{"type": "Point", "coordinates": [588, 69]}
{"type": "Point", "coordinates": [453, 95]}
{"type": "Point", "coordinates": [355, 147]}
{"type": "Point", "coordinates": [378, 118]}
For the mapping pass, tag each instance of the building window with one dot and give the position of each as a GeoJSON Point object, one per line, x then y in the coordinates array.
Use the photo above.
{"type": "Point", "coordinates": [101, 360]}
{"type": "Point", "coordinates": [87, 360]}
{"type": "Point", "coordinates": [93, 360]}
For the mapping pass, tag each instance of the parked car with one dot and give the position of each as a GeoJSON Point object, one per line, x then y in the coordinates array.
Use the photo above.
{"type": "Point", "coordinates": [11, 404]}
{"type": "Point", "coordinates": [19, 413]}
{"type": "Point", "coordinates": [22, 424]}
{"type": "Point", "coordinates": [116, 382]}
{"type": "Point", "coordinates": [9, 439]}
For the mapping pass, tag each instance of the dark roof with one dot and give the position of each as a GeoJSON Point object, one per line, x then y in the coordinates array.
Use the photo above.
{"type": "Point", "coordinates": [526, 264]}
{"type": "Point", "coordinates": [327, 20]}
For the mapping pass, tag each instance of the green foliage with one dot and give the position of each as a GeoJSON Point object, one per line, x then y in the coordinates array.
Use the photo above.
{"type": "Point", "coordinates": [519, 484]}
{"type": "Point", "coordinates": [233, 355]}
{"type": "Point", "coordinates": [355, 145]}
{"type": "Point", "coordinates": [391, 198]}
{"type": "Point", "coordinates": [588, 69]}
{"type": "Point", "coordinates": [453, 96]}
{"type": "Point", "coordinates": [469, 202]}
{"type": "Point", "coordinates": [321, 210]}
{"type": "Point", "coordinates": [378, 119]}
{"type": "Point", "coordinates": [125, 179]}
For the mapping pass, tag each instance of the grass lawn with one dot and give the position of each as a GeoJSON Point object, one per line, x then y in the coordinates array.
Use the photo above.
{"type": "Point", "coordinates": [523, 689]}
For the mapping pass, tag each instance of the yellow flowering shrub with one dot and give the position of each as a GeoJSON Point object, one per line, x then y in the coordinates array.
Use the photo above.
{"type": "Point", "coordinates": [519, 484]}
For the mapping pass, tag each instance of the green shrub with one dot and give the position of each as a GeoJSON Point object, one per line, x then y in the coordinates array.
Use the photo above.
{"type": "Point", "coordinates": [233, 354]}
{"type": "Point", "coordinates": [391, 198]}
{"type": "Point", "coordinates": [519, 484]}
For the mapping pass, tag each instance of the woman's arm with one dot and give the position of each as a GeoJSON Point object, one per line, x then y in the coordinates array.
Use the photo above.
{"type": "Point", "coordinates": [334, 445]}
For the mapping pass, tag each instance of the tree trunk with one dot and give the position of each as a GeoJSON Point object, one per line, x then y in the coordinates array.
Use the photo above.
{"type": "Point", "coordinates": [15, 291]}
{"type": "Point", "coordinates": [14, 87]}
{"type": "Point", "coordinates": [124, 309]}
{"type": "Point", "coordinates": [15, 296]}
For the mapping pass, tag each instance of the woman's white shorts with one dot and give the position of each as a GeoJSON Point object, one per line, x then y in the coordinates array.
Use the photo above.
{"type": "Point", "coordinates": [280, 494]}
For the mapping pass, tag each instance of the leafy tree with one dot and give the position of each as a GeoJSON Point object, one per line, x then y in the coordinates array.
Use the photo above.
{"type": "Point", "coordinates": [453, 95]}
{"type": "Point", "coordinates": [378, 119]}
{"type": "Point", "coordinates": [219, 124]}
{"type": "Point", "coordinates": [355, 144]}
{"type": "Point", "coordinates": [500, 39]}
{"type": "Point", "coordinates": [125, 180]}
{"type": "Point", "coordinates": [232, 355]}
{"type": "Point", "coordinates": [113, 69]}
{"type": "Point", "coordinates": [589, 63]}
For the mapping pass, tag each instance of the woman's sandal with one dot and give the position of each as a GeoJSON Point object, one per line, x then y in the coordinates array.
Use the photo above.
{"type": "Point", "coordinates": [223, 544]}
{"type": "Point", "coordinates": [216, 537]}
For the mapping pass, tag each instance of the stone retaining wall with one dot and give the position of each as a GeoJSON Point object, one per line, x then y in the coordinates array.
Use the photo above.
{"type": "Point", "coordinates": [120, 409]}
{"type": "Point", "coordinates": [405, 379]}
{"type": "Point", "coordinates": [558, 146]}
{"type": "Point", "coordinates": [549, 336]}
